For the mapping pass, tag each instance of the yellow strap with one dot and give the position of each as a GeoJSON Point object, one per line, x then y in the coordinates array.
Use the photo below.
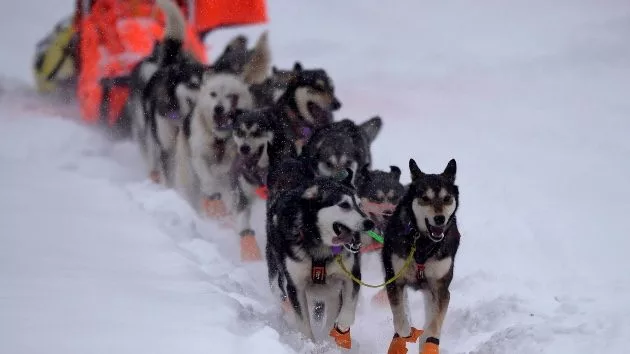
{"type": "Point", "coordinates": [396, 276]}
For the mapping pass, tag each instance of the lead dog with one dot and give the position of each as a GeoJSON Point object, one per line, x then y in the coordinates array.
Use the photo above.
{"type": "Point", "coordinates": [423, 221]}
{"type": "Point", "coordinates": [307, 227]}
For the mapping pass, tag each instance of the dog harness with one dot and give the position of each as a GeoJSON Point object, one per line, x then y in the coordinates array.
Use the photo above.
{"type": "Point", "coordinates": [421, 255]}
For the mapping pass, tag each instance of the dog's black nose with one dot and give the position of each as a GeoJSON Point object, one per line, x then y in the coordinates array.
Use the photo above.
{"type": "Point", "coordinates": [245, 149]}
{"type": "Point", "coordinates": [439, 220]}
{"type": "Point", "coordinates": [368, 225]}
{"type": "Point", "coordinates": [335, 104]}
{"type": "Point", "coordinates": [218, 110]}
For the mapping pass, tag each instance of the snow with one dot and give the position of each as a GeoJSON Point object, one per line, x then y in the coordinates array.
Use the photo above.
{"type": "Point", "coordinates": [530, 97]}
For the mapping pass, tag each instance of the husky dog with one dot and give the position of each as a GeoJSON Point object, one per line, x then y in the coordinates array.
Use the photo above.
{"type": "Point", "coordinates": [424, 220]}
{"type": "Point", "coordinates": [341, 145]}
{"type": "Point", "coordinates": [253, 132]}
{"type": "Point", "coordinates": [133, 113]}
{"type": "Point", "coordinates": [307, 103]}
{"type": "Point", "coordinates": [307, 227]}
{"type": "Point", "coordinates": [380, 192]}
{"type": "Point", "coordinates": [169, 95]}
{"type": "Point", "coordinates": [212, 150]}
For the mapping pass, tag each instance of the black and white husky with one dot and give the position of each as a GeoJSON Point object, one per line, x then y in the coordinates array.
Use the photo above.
{"type": "Point", "coordinates": [169, 95]}
{"type": "Point", "coordinates": [253, 133]}
{"type": "Point", "coordinates": [307, 227]}
{"type": "Point", "coordinates": [424, 219]}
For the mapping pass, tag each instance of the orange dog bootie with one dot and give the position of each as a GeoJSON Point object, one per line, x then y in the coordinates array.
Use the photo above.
{"type": "Point", "coordinates": [431, 346]}
{"type": "Point", "coordinates": [342, 339]}
{"type": "Point", "coordinates": [214, 208]}
{"type": "Point", "coordinates": [399, 344]}
{"type": "Point", "coordinates": [155, 176]}
{"type": "Point", "coordinates": [250, 252]}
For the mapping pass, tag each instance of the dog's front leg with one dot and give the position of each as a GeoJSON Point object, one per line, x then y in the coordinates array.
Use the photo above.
{"type": "Point", "coordinates": [397, 297]}
{"type": "Point", "coordinates": [349, 299]}
{"type": "Point", "coordinates": [297, 298]}
{"type": "Point", "coordinates": [347, 312]}
{"type": "Point", "coordinates": [249, 247]}
{"type": "Point", "coordinates": [436, 300]}
{"type": "Point", "coordinates": [211, 200]}
{"type": "Point", "coordinates": [154, 161]}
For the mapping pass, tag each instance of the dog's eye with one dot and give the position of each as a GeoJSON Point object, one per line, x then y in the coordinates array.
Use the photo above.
{"type": "Point", "coordinates": [348, 164]}
{"type": "Point", "coordinates": [240, 133]}
{"type": "Point", "coordinates": [257, 134]}
{"type": "Point", "coordinates": [425, 199]}
{"type": "Point", "coordinates": [213, 94]}
{"type": "Point", "coordinates": [329, 165]}
{"type": "Point", "coordinates": [448, 199]}
{"type": "Point", "coordinates": [345, 205]}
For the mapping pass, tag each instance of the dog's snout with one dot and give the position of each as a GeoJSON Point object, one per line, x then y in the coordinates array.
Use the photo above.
{"type": "Point", "coordinates": [439, 220]}
{"type": "Point", "coordinates": [218, 110]}
{"type": "Point", "coordinates": [245, 149]}
{"type": "Point", "coordinates": [335, 104]}
{"type": "Point", "coordinates": [368, 225]}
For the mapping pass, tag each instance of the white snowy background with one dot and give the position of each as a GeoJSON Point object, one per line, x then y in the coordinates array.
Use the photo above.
{"type": "Point", "coordinates": [531, 97]}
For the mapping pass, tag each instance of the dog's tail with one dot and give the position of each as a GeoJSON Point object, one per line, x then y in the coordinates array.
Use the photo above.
{"type": "Point", "coordinates": [175, 31]}
{"type": "Point", "coordinates": [257, 67]}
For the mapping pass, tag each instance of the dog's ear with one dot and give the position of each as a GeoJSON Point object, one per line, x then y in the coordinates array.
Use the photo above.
{"type": "Point", "coordinates": [395, 171]}
{"type": "Point", "coordinates": [297, 67]}
{"type": "Point", "coordinates": [257, 67]}
{"type": "Point", "coordinates": [311, 192]}
{"type": "Point", "coordinates": [415, 170]}
{"type": "Point", "coordinates": [450, 171]}
{"type": "Point", "coordinates": [365, 172]}
{"type": "Point", "coordinates": [371, 128]}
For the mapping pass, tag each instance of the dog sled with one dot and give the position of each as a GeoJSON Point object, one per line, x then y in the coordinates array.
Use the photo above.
{"type": "Point", "coordinates": [91, 53]}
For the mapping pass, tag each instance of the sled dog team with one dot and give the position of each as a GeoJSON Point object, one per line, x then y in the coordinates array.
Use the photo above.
{"type": "Point", "coordinates": [226, 134]}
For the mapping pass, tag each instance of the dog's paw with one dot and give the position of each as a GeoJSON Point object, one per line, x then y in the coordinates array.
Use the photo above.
{"type": "Point", "coordinates": [342, 339]}
{"type": "Point", "coordinates": [398, 344]}
{"type": "Point", "coordinates": [250, 252]}
{"type": "Point", "coordinates": [154, 176]}
{"type": "Point", "coordinates": [214, 208]}
{"type": "Point", "coordinates": [431, 346]}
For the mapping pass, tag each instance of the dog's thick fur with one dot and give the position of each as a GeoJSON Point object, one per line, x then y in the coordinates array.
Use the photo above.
{"type": "Point", "coordinates": [206, 148]}
{"type": "Point", "coordinates": [254, 132]}
{"type": "Point", "coordinates": [303, 224]}
{"type": "Point", "coordinates": [380, 193]}
{"type": "Point", "coordinates": [341, 145]}
{"type": "Point", "coordinates": [307, 104]}
{"type": "Point", "coordinates": [424, 217]}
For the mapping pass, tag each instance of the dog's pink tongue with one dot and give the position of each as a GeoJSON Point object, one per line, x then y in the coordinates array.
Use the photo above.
{"type": "Point", "coordinates": [343, 238]}
{"type": "Point", "coordinates": [437, 231]}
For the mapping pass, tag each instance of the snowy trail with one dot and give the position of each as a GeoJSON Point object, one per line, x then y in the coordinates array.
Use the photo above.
{"type": "Point", "coordinates": [529, 97]}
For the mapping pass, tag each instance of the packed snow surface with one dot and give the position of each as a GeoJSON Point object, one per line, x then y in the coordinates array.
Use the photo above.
{"type": "Point", "coordinates": [530, 98]}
